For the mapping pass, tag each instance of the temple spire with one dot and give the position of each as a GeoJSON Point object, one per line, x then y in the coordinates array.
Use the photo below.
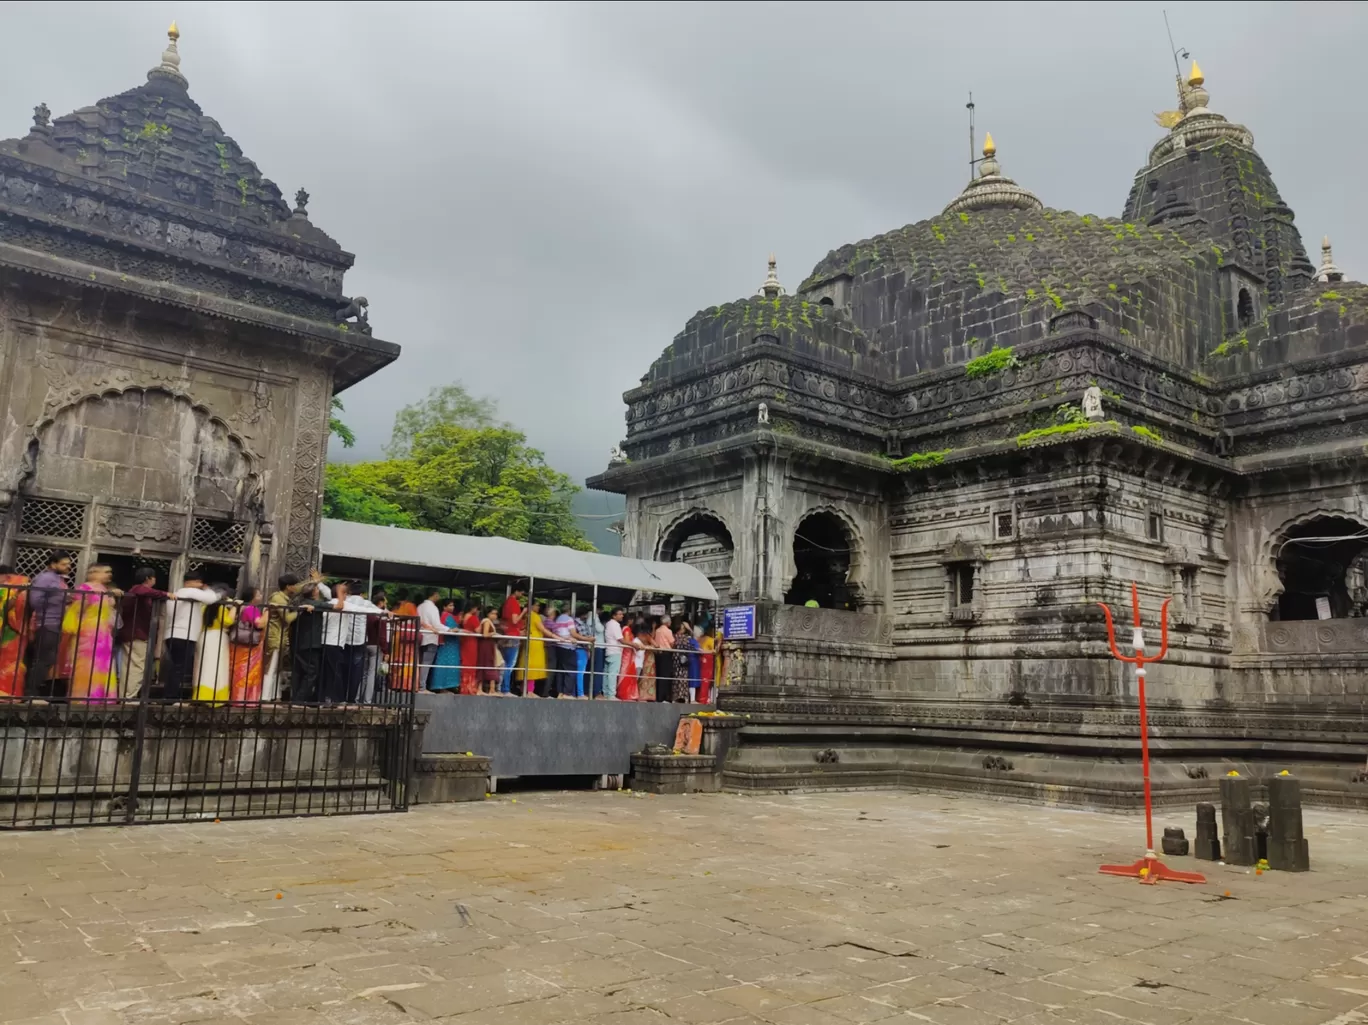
{"type": "Point", "coordinates": [1328, 271]}
{"type": "Point", "coordinates": [990, 189]}
{"type": "Point", "coordinates": [169, 68]}
{"type": "Point", "coordinates": [771, 289]}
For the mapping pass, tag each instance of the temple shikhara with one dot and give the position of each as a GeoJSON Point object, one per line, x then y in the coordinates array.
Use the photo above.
{"type": "Point", "coordinates": [173, 332]}
{"type": "Point", "coordinates": [958, 437]}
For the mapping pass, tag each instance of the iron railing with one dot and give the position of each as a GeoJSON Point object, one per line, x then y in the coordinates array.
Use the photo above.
{"type": "Point", "coordinates": [147, 708]}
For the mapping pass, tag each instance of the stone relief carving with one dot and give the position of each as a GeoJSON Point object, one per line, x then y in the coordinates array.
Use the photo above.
{"type": "Point", "coordinates": [138, 524]}
{"type": "Point", "coordinates": [306, 494]}
{"type": "Point", "coordinates": [97, 210]}
{"type": "Point", "coordinates": [71, 389]}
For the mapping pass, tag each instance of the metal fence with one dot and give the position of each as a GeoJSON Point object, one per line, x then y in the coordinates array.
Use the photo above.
{"type": "Point", "coordinates": [128, 708]}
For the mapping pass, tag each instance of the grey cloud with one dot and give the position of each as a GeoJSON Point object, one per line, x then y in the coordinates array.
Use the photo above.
{"type": "Point", "coordinates": [540, 195]}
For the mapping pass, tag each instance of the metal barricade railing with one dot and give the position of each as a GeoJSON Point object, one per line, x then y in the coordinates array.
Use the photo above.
{"type": "Point", "coordinates": [145, 707]}
{"type": "Point", "coordinates": [471, 660]}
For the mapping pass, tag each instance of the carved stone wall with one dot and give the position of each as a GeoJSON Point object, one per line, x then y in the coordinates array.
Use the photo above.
{"type": "Point", "coordinates": [156, 420]}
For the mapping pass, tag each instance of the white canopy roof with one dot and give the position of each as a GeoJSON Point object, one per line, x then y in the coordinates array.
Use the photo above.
{"type": "Point", "coordinates": [498, 556]}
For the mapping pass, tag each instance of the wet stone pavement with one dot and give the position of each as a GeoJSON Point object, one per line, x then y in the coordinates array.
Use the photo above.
{"type": "Point", "coordinates": [602, 907]}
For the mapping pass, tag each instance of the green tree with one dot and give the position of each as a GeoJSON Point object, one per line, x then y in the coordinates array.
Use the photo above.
{"type": "Point", "coordinates": [448, 405]}
{"type": "Point", "coordinates": [453, 468]}
{"type": "Point", "coordinates": [352, 491]}
{"type": "Point", "coordinates": [337, 427]}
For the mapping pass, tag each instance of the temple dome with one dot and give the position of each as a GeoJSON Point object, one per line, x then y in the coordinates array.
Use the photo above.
{"type": "Point", "coordinates": [156, 141]}
{"type": "Point", "coordinates": [933, 293]}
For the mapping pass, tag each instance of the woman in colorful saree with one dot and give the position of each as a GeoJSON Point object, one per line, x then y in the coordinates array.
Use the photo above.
{"type": "Point", "coordinates": [88, 634]}
{"type": "Point", "coordinates": [247, 645]}
{"type": "Point", "coordinates": [213, 659]}
{"type": "Point", "coordinates": [13, 609]}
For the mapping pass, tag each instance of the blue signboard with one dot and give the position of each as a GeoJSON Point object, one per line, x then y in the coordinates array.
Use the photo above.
{"type": "Point", "coordinates": [738, 623]}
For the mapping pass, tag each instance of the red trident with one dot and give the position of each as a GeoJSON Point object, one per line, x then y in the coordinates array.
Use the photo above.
{"type": "Point", "coordinates": [1148, 869]}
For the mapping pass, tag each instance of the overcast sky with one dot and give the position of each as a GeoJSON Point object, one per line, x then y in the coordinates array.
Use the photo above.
{"type": "Point", "coordinates": [540, 196]}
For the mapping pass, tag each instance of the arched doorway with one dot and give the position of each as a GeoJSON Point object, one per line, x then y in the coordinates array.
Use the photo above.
{"type": "Point", "coordinates": [138, 477]}
{"type": "Point", "coordinates": [1321, 564]}
{"type": "Point", "coordinates": [822, 557]}
{"type": "Point", "coordinates": [703, 541]}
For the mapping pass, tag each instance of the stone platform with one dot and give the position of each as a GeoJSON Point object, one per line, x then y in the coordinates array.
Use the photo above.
{"type": "Point", "coordinates": [547, 737]}
{"type": "Point", "coordinates": [1087, 757]}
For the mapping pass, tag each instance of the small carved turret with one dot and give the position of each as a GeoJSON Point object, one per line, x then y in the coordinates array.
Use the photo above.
{"type": "Point", "coordinates": [1328, 271]}
{"type": "Point", "coordinates": [771, 289]}
{"type": "Point", "coordinates": [991, 189]}
{"type": "Point", "coordinates": [301, 207]}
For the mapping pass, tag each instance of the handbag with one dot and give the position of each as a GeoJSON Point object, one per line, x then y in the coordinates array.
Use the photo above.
{"type": "Point", "coordinates": [245, 634]}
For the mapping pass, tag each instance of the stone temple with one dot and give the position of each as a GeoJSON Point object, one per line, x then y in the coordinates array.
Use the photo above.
{"type": "Point", "coordinates": [172, 335]}
{"type": "Point", "coordinates": [959, 436]}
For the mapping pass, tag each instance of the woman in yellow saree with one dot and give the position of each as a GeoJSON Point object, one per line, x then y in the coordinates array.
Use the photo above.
{"type": "Point", "coordinates": [532, 658]}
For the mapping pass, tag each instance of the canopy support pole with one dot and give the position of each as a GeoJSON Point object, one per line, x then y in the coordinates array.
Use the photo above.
{"type": "Point", "coordinates": [527, 617]}
{"type": "Point", "coordinates": [370, 584]}
{"type": "Point", "coordinates": [593, 641]}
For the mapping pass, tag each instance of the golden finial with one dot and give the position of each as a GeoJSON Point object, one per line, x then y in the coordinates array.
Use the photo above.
{"type": "Point", "coordinates": [1195, 75]}
{"type": "Point", "coordinates": [989, 147]}
{"type": "Point", "coordinates": [173, 32]}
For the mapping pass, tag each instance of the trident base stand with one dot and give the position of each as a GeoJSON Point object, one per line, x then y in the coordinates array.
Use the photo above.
{"type": "Point", "coordinates": [1148, 869]}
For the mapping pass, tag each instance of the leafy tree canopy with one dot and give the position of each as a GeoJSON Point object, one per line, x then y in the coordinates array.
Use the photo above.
{"type": "Point", "coordinates": [461, 473]}
{"type": "Point", "coordinates": [449, 405]}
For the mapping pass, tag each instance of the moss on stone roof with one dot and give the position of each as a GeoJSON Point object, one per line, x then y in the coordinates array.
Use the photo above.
{"type": "Point", "coordinates": [1053, 256]}
{"type": "Point", "coordinates": [808, 328]}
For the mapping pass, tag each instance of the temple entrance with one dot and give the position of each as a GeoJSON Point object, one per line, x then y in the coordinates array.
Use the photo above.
{"type": "Point", "coordinates": [822, 557]}
{"type": "Point", "coordinates": [704, 542]}
{"type": "Point", "coordinates": [1321, 564]}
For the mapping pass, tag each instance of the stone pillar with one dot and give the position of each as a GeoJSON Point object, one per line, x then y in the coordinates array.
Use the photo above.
{"type": "Point", "coordinates": [1207, 846]}
{"type": "Point", "coordinates": [1237, 820]}
{"type": "Point", "coordinates": [759, 558]}
{"type": "Point", "coordinates": [1287, 848]}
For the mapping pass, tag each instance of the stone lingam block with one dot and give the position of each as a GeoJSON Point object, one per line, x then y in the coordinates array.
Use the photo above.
{"type": "Point", "coordinates": [1237, 821]}
{"type": "Point", "coordinates": [1207, 844]}
{"type": "Point", "coordinates": [1175, 843]}
{"type": "Point", "coordinates": [1287, 849]}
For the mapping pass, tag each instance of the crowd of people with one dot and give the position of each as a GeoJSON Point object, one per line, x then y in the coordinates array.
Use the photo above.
{"type": "Point", "coordinates": [311, 642]}
{"type": "Point", "coordinates": [541, 650]}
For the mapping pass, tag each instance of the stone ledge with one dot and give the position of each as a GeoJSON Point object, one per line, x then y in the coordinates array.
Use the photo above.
{"type": "Point", "coordinates": [448, 778]}
{"type": "Point", "coordinates": [675, 774]}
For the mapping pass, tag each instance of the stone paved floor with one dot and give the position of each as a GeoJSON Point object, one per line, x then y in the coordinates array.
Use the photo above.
{"type": "Point", "coordinates": [712, 908]}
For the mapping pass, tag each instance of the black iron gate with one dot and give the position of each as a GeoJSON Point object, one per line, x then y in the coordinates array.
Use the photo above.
{"type": "Point", "coordinates": [118, 709]}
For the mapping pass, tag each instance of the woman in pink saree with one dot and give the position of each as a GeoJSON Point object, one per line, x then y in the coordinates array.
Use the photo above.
{"type": "Point", "coordinates": [88, 635]}
{"type": "Point", "coordinates": [247, 641]}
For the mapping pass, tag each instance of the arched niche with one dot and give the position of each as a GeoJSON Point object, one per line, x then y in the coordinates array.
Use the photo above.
{"type": "Point", "coordinates": [1320, 561]}
{"type": "Point", "coordinates": [143, 446]}
{"type": "Point", "coordinates": [827, 562]}
{"type": "Point", "coordinates": [701, 539]}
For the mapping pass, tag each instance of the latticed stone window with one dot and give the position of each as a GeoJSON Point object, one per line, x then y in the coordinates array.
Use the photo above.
{"type": "Point", "coordinates": [962, 587]}
{"type": "Point", "coordinates": [224, 537]}
{"type": "Point", "coordinates": [30, 560]}
{"type": "Point", "coordinates": [49, 518]}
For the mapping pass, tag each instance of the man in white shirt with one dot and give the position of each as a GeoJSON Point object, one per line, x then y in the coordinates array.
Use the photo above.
{"type": "Point", "coordinates": [430, 631]}
{"type": "Point", "coordinates": [344, 644]}
{"type": "Point", "coordinates": [612, 652]}
{"type": "Point", "coordinates": [184, 626]}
